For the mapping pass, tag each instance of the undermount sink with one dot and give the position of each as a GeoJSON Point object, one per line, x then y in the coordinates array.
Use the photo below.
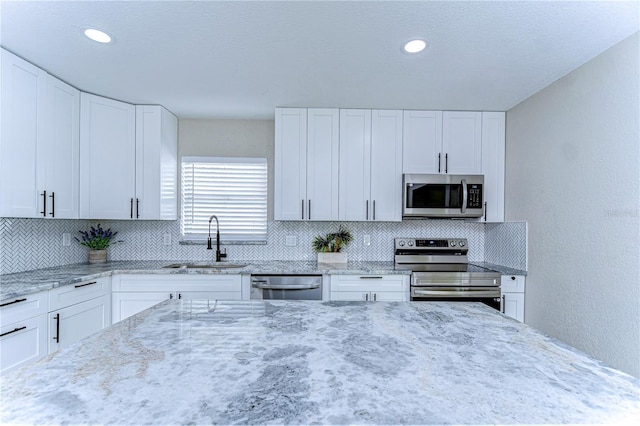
{"type": "Point", "coordinates": [221, 265]}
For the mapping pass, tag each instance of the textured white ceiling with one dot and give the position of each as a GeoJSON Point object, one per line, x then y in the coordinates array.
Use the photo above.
{"type": "Point", "coordinates": [241, 59]}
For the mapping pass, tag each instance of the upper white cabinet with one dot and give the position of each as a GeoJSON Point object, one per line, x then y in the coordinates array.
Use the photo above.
{"type": "Point", "coordinates": [306, 164]}
{"type": "Point", "coordinates": [128, 164]}
{"type": "Point", "coordinates": [442, 142]}
{"type": "Point", "coordinates": [422, 142]}
{"type": "Point", "coordinates": [107, 158]}
{"type": "Point", "coordinates": [462, 142]}
{"type": "Point", "coordinates": [40, 143]}
{"type": "Point", "coordinates": [370, 165]}
{"type": "Point", "coordinates": [493, 165]}
{"type": "Point", "coordinates": [156, 163]}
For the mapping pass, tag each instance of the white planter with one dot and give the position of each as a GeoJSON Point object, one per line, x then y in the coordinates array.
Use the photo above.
{"type": "Point", "coordinates": [333, 258]}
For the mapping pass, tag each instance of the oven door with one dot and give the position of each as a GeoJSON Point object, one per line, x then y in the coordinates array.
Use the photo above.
{"type": "Point", "coordinates": [442, 196]}
{"type": "Point", "coordinates": [490, 296]}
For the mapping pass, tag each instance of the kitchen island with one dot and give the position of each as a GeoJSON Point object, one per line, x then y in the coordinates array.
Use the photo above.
{"type": "Point", "coordinates": [255, 362]}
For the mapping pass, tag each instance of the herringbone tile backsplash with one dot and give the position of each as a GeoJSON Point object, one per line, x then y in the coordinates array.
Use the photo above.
{"type": "Point", "coordinates": [27, 244]}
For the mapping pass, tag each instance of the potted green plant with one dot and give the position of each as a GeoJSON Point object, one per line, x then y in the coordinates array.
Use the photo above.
{"type": "Point", "coordinates": [330, 245]}
{"type": "Point", "coordinates": [98, 240]}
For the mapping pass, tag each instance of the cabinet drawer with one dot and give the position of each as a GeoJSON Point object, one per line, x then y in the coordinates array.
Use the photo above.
{"type": "Point", "coordinates": [23, 307]}
{"type": "Point", "coordinates": [173, 283]}
{"type": "Point", "coordinates": [373, 283]}
{"type": "Point", "coordinates": [23, 343]}
{"type": "Point", "coordinates": [512, 283]}
{"type": "Point", "coordinates": [79, 292]}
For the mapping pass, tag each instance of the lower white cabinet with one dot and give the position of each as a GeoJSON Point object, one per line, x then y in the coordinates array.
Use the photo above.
{"type": "Point", "coordinates": [23, 330]}
{"type": "Point", "coordinates": [78, 310]}
{"type": "Point", "coordinates": [75, 322]}
{"type": "Point", "coordinates": [135, 293]}
{"type": "Point", "coordinates": [512, 288]}
{"type": "Point", "coordinates": [374, 288]}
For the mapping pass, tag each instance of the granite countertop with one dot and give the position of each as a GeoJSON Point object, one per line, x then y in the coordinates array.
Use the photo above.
{"type": "Point", "coordinates": [18, 284]}
{"type": "Point", "coordinates": [306, 362]}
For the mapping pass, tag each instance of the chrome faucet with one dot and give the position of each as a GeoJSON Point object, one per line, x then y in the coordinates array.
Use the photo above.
{"type": "Point", "coordinates": [219, 255]}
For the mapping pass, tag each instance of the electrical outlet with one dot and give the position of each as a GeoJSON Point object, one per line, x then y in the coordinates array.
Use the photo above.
{"type": "Point", "coordinates": [290, 241]}
{"type": "Point", "coordinates": [66, 239]}
{"type": "Point", "coordinates": [366, 240]}
{"type": "Point", "coordinates": [166, 239]}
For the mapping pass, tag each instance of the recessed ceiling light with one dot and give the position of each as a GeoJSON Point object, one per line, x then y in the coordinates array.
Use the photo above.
{"type": "Point", "coordinates": [97, 35]}
{"type": "Point", "coordinates": [414, 46]}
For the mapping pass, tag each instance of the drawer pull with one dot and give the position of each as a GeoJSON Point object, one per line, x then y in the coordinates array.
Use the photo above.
{"type": "Point", "coordinates": [13, 331]}
{"type": "Point", "coordinates": [11, 303]}
{"type": "Point", "coordinates": [57, 336]}
{"type": "Point", "coordinates": [86, 284]}
{"type": "Point", "coordinates": [370, 278]}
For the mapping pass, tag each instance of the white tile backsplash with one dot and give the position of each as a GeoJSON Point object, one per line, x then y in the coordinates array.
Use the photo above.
{"type": "Point", "coordinates": [27, 244]}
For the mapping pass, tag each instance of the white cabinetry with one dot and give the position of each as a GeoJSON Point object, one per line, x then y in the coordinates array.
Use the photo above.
{"type": "Point", "coordinates": [39, 148]}
{"type": "Point", "coordinates": [306, 160]}
{"type": "Point", "coordinates": [374, 288]}
{"type": "Point", "coordinates": [23, 330]}
{"type": "Point", "coordinates": [129, 160]}
{"type": "Point", "coordinates": [370, 165]}
{"type": "Point", "coordinates": [107, 158]}
{"type": "Point", "coordinates": [493, 164]}
{"type": "Point", "coordinates": [135, 293]}
{"type": "Point", "coordinates": [442, 142]}
{"type": "Point", "coordinates": [77, 311]}
{"type": "Point", "coordinates": [156, 163]}
{"type": "Point", "coordinates": [513, 290]}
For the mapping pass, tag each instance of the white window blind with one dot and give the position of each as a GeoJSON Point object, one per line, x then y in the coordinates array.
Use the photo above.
{"type": "Point", "coordinates": [233, 189]}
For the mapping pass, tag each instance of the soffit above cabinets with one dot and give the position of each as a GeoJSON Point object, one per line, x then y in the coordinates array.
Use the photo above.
{"type": "Point", "coordinates": [242, 59]}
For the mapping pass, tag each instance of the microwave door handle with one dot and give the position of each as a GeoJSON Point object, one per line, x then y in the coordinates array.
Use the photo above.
{"type": "Point", "coordinates": [463, 209]}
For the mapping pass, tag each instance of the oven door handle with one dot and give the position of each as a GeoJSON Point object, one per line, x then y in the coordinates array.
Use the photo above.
{"type": "Point", "coordinates": [457, 293]}
{"type": "Point", "coordinates": [265, 286]}
{"type": "Point", "coordinates": [465, 196]}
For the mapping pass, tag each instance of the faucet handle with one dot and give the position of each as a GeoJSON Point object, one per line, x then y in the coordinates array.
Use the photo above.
{"type": "Point", "coordinates": [223, 253]}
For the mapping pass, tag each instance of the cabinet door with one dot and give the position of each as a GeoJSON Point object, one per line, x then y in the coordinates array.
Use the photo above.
{"type": "Point", "coordinates": [386, 165]}
{"type": "Point", "coordinates": [22, 100]}
{"type": "Point", "coordinates": [355, 164]}
{"type": "Point", "coordinates": [462, 142]}
{"type": "Point", "coordinates": [493, 164]}
{"type": "Point", "coordinates": [107, 158]}
{"type": "Point", "coordinates": [513, 305]}
{"type": "Point", "coordinates": [290, 174]}
{"type": "Point", "coordinates": [23, 342]}
{"type": "Point", "coordinates": [68, 325]}
{"type": "Point", "coordinates": [422, 142]}
{"type": "Point", "coordinates": [156, 163]}
{"type": "Point", "coordinates": [322, 164]}
{"type": "Point", "coordinates": [59, 150]}
{"type": "Point", "coordinates": [124, 305]}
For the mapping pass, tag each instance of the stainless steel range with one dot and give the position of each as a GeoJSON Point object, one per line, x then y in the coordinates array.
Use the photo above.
{"type": "Point", "coordinates": [441, 271]}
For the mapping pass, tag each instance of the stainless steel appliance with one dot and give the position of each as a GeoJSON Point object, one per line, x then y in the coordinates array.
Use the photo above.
{"type": "Point", "coordinates": [286, 287]}
{"type": "Point", "coordinates": [444, 196]}
{"type": "Point", "coordinates": [440, 271]}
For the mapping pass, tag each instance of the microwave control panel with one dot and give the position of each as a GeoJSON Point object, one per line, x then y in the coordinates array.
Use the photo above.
{"type": "Point", "coordinates": [474, 199]}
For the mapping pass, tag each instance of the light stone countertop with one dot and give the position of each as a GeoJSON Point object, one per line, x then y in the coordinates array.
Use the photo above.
{"type": "Point", "coordinates": [306, 362]}
{"type": "Point", "coordinates": [19, 284]}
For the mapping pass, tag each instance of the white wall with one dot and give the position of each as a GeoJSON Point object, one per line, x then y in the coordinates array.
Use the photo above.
{"type": "Point", "coordinates": [573, 172]}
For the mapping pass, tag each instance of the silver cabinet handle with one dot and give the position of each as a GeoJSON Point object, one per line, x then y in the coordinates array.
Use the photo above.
{"type": "Point", "coordinates": [465, 196]}
{"type": "Point", "coordinates": [265, 286]}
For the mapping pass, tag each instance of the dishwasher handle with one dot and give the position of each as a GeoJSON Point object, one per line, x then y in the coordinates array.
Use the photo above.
{"type": "Point", "coordinates": [266, 286]}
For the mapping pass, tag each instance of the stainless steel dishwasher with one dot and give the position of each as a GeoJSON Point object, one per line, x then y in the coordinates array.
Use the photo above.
{"type": "Point", "coordinates": [286, 287]}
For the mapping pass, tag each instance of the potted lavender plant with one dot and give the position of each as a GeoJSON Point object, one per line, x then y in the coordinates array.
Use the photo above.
{"type": "Point", "coordinates": [98, 240]}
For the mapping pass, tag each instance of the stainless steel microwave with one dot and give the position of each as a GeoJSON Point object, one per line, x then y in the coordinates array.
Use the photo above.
{"type": "Point", "coordinates": [442, 196]}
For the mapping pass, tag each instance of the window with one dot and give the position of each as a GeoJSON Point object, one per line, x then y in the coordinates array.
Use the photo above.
{"type": "Point", "coordinates": [233, 189]}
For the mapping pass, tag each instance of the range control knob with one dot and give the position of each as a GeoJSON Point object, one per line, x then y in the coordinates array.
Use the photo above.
{"type": "Point", "coordinates": [461, 244]}
{"type": "Point", "coordinates": [401, 243]}
{"type": "Point", "coordinates": [452, 243]}
{"type": "Point", "coordinates": [410, 243]}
